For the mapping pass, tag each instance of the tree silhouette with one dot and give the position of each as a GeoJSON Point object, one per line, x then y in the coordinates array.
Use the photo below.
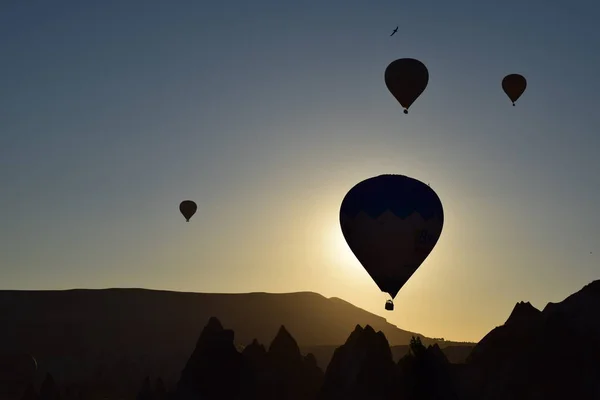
{"type": "Point", "coordinates": [416, 347]}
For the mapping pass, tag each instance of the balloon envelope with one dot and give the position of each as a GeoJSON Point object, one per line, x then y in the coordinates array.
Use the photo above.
{"type": "Point", "coordinates": [188, 209]}
{"type": "Point", "coordinates": [391, 223]}
{"type": "Point", "coordinates": [406, 79]}
{"type": "Point", "coordinates": [514, 86]}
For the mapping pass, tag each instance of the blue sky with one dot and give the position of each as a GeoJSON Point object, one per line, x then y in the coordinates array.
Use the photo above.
{"type": "Point", "coordinates": [266, 113]}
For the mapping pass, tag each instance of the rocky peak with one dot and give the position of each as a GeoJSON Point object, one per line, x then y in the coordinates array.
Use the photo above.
{"type": "Point", "coordinates": [363, 366]}
{"type": "Point", "coordinates": [588, 296]}
{"type": "Point", "coordinates": [523, 312]}
{"type": "Point", "coordinates": [254, 350]}
{"type": "Point", "coordinates": [435, 353]}
{"type": "Point", "coordinates": [214, 332]}
{"type": "Point", "coordinates": [49, 390]}
{"type": "Point", "coordinates": [215, 366]}
{"type": "Point", "coordinates": [213, 325]}
{"type": "Point", "coordinates": [371, 344]}
{"type": "Point", "coordinates": [593, 287]}
{"type": "Point", "coordinates": [356, 333]}
{"type": "Point", "coordinates": [256, 357]}
{"type": "Point", "coordinates": [577, 313]}
{"type": "Point", "coordinates": [282, 372]}
{"type": "Point", "coordinates": [285, 347]}
{"type": "Point", "coordinates": [310, 361]}
{"type": "Point", "coordinates": [517, 356]}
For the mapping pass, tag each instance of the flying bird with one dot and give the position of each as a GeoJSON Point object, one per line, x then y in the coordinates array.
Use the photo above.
{"type": "Point", "coordinates": [395, 30]}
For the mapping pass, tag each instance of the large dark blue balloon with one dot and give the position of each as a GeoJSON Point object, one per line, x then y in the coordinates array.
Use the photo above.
{"type": "Point", "coordinates": [391, 223]}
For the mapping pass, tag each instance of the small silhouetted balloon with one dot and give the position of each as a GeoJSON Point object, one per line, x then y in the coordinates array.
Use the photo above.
{"type": "Point", "coordinates": [188, 209]}
{"type": "Point", "coordinates": [514, 86]}
{"type": "Point", "coordinates": [406, 79]}
{"type": "Point", "coordinates": [391, 223]}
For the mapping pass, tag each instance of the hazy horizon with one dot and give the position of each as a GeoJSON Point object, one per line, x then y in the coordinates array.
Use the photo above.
{"type": "Point", "coordinates": [266, 114]}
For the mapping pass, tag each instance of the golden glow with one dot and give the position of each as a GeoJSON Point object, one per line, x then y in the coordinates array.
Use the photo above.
{"type": "Point", "coordinates": [338, 252]}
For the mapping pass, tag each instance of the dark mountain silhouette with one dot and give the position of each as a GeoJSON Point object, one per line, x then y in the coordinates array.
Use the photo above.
{"type": "Point", "coordinates": [456, 354]}
{"type": "Point", "coordinates": [81, 319]}
{"type": "Point", "coordinates": [216, 370]}
{"type": "Point", "coordinates": [293, 375]}
{"type": "Point", "coordinates": [523, 313]}
{"type": "Point", "coordinates": [425, 374]}
{"type": "Point", "coordinates": [89, 335]}
{"type": "Point", "coordinates": [550, 354]}
{"type": "Point", "coordinates": [49, 389]}
{"type": "Point", "coordinates": [362, 368]}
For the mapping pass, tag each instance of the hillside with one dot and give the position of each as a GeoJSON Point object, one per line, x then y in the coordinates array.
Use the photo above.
{"type": "Point", "coordinates": [545, 354]}
{"type": "Point", "coordinates": [94, 341]}
{"type": "Point", "coordinates": [138, 321]}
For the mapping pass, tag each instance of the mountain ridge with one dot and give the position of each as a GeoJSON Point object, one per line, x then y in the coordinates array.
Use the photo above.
{"type": "Point", "coordinates": [551, 353]}
{"type": "Point", "coordinates": [313, 318]}
{"type": "Point", "coordinates": [519, 359]}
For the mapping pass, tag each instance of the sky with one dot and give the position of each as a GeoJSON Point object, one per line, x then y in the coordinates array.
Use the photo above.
{"type": "Point", "coordinates": [266, 113]}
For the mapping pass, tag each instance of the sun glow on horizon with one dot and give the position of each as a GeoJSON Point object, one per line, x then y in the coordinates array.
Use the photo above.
{"type": "Point", "coordinates": [339, 253]}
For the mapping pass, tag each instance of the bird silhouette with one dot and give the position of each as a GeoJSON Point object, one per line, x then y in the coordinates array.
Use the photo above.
{"type": "Point", "coordinates": [395, 30]}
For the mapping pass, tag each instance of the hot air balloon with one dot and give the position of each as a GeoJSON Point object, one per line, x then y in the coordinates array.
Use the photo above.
{"type": "Point", "coordinates": [391, 223]}
{"type": "Point", "coordinates": [514, 86]}
{"type": "Point", "coordinates": [188, 209]}
{"type": "Point", "coordinates": [406, 79]}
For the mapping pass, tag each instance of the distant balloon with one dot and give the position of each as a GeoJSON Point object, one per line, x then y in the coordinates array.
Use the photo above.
{"type": "Point", "coordinates": [188, 209]}
{"type": "Point", "coordinates": [391, 223]}
{"type": "Point", "coordinates": [514, 86]}
{"type": "Point", "coordinates": [406, 79]}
